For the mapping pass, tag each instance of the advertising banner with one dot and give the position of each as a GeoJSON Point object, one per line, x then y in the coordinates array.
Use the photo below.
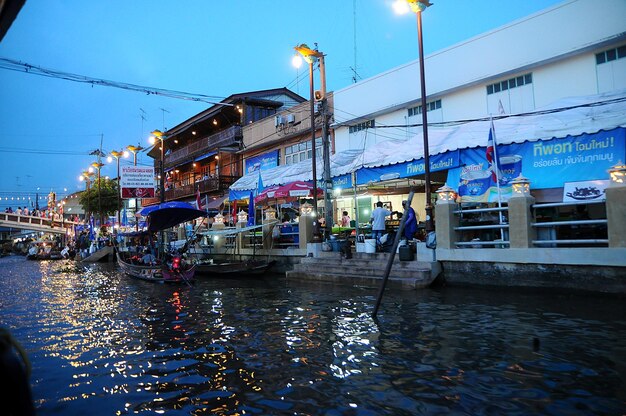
{"type": "Point", "coordinates": [546, 163]}
{"type": "Point", "coordinates": [439, 162]}
{"type": "Point", "coordinates": [262, 162]}
{"type": "Point", "coordinates": [137, 182]}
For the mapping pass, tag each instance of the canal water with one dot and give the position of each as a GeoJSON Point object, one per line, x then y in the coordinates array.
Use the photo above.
{"type": "Point", "coordinates": [103, 343]}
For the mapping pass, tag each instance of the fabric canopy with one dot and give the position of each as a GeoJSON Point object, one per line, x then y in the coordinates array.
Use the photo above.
{"type": "Point", "coordinates": [567, 117]}
{"type": "Point", "coordinates": [169, 214]}
{"type": "Point", "coordinates": [297, 189]}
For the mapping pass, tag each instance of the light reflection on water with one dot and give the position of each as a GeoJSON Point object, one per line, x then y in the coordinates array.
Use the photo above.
{"type": "Point", "coordinates": [103, 343]}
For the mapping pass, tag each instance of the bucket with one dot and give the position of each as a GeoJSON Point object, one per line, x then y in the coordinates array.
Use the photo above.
{"type": "Point", "coordinates": [360, 247]}
{"type": "Point", "coordinates": [370, 245]}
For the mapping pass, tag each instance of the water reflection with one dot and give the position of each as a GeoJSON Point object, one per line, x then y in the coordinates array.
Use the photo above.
{"type": "Point", "coordinates": [103, 343]}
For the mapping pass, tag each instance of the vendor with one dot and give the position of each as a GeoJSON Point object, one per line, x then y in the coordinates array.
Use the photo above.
{"type": "Point", "coordinates": [345, 219]}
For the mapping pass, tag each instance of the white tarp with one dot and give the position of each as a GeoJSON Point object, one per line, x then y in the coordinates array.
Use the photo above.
{"type": "Point", "coordinates": [566, 117]}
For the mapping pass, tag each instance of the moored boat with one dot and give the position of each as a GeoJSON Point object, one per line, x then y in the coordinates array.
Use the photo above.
{"type": "Point", "coordinates": [169, 268]}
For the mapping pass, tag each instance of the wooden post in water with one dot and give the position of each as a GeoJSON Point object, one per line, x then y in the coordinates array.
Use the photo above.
{"type": "Point", "coordinates": [392, 257]}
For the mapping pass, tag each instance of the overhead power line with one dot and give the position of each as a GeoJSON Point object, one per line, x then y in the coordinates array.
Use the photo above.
{"type": "Point", "coordinates": [13, 65]}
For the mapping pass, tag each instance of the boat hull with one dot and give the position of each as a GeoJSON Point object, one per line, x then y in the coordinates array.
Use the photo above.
{"type": "Point", "coordinates": [155, 273]}
{"type": "Point", "coordinates": [234, 269]}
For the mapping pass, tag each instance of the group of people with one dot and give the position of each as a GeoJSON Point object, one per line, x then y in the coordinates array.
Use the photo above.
{"type": "Point", "coordinates": [41, 213]}
{"type": "Point", "coordinates": [378, 218]}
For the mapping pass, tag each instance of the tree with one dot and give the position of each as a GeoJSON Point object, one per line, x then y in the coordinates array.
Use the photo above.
{"type": "Point", "coordinates": [104, 205]}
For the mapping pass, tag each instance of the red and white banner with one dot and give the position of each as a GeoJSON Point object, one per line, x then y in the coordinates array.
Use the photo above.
{"type": "Point", "coordinates": [137, 182]}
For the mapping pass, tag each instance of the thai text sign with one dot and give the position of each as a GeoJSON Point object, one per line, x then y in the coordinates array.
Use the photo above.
{"type": "Point", "coordinates": [137, 182]}
{"type": "Point", "coordinates": [546, 163]}
{"type": "Point", "coordinates": [262, 162]}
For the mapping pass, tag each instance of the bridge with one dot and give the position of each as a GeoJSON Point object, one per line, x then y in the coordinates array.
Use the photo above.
{"type": "Point", "coordinates": [30, 223]}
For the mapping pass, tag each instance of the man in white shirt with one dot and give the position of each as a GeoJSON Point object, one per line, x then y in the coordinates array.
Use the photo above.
{"type": "Point", "coordinates": [378, 221]}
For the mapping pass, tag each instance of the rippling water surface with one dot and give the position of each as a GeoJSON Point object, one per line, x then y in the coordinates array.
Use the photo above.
{"type": "Point", "coordinates": [103, 343]}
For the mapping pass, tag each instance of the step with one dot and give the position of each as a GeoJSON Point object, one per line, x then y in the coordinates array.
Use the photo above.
{"type": "Point", "coordinates": [378, 263]}
{"type": "Point", "coordinates": [364, 270]}
{"type": "Point", "coordinates": [412, 283]}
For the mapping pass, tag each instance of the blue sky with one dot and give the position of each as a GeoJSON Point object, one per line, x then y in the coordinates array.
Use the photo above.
{"type": "Point", "coordinates": [215, 48]}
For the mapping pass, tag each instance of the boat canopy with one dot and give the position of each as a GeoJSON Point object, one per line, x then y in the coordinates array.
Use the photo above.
{"type": "Point", "coordinates": [169, 214]}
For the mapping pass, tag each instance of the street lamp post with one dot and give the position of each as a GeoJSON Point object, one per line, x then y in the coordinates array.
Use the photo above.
{"type": "Point", "coordinates": [117, 155]}
{"type": "Point", "coordinates": [97, 165]}
{"type": "Point", "coordinates": [158, 135]}
{"type": "Point", "coordinates": [134, 150]}
{"type": "Point", "coordinates": [311, 56]}
{"type": "Point", "coordinates": [417, 6]}
{"type": "Point", "coordinates": [86, 176]}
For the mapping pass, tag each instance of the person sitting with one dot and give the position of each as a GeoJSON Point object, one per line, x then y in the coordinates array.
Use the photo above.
{"type": "Point", "coordinates": [148, 258]}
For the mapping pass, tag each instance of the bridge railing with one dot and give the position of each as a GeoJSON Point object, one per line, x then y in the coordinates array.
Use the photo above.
{"type": "Point", "coordinates": [25, 220]}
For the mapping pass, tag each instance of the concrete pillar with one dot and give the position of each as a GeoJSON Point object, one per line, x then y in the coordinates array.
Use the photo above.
{"type": "Point", "coordinates": [305, 230]}
{"type": "Point", "coordinates": [616, 215]}
{"type": "Point", "coordinates": [521, 232]}
{"type": "Point", "coordinates": [447, 220]}
{"type": "Point", "coordinates": [268, 225]}
{"type": "Point", "coordinates": [241, 239]}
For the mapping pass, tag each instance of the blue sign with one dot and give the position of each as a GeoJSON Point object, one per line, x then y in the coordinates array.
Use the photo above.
{"type": "Point", "coordinates": [262, 162]}
{"type": "Point", "coordinates": [438, 162]}
{"type": "Point", "coordinates": [546, 163]}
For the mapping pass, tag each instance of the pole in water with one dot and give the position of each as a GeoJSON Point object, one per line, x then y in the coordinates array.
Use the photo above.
{"type": "Point", "coordinates": [396, 241]}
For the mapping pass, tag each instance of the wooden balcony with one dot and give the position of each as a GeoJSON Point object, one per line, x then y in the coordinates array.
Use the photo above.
{"type": "Point", "coordinates": [209, 185]}
{"type": "Point", "coordinates": [227, 137]}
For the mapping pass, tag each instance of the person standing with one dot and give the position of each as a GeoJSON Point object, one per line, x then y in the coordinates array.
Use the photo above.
{"type": "Point", "coordinates": [378, 221]}
{"type": "Point", "coordinates": [410, 226]}
{"type": "Point", "coordinates": [345, 219]}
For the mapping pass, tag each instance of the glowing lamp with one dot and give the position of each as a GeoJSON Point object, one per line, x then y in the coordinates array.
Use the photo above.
{"type": "Point", "coordinates": [270, 214]}
{"type": "Point", "coordinates": [242, 216]}
{"type": "Point", "coordinates": [306, 209]}
{"type": "Point", "coordinates": [521, 187]}
{"type": "Point", "coordinates": [219, 218]}
{"type": "Point", "coordinates": [618, 175]}
{"type": "Point", "coordinates": [446, 195]}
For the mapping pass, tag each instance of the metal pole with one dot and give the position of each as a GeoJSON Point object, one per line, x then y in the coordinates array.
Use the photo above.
{"type": "Point", "coordinates": [136, 218]}
{"type": "Point", "coordinates": [429, 225]}
{"type": "Point", "coordinates": [119, 198]}
{"type": "Point", "coordinates": [392, 255]}
{"type": "Point", "coordinates": [162, 169]}
{"type": "Point", "coordinates": [313, 153]}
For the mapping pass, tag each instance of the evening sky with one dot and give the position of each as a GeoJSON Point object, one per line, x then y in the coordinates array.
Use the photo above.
{"type": "Point", "coordinates": [216, 48]}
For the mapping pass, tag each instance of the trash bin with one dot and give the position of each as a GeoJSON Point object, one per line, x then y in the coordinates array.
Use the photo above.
{"type": "Point", "coordinates": [370, 245]}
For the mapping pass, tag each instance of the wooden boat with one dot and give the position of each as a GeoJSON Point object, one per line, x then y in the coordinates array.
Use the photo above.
{"type": "Point", "coordinates": [170, 268]}
{"type": "Point", "coordinates": [43, 250]}
{"type": "Point", "coordinates": [233, 267]}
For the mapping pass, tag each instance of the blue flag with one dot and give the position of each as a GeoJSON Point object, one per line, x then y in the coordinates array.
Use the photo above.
{"type": "Point", "coordinates": [251, 220]}
{"type": "Point", "coordinates": [259, 185]}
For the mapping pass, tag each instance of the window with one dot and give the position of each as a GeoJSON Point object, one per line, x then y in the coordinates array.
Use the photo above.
{"type": "Point", "coordinates": [362, 126]}
{"type": "Point", "coordinates": [610, 69]}
{"type": "Point", "coordinates": [513, 95]}
{"type": "Point", "coordinates": [431, 106]}
{"type": "Point", "coordinates": [302, 151]}
{"type": "Point", "coordinates": [509, 84]}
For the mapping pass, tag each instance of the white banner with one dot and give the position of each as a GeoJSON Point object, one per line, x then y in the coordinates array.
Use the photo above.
{"type": "Point", "coordinates": [137, 182]}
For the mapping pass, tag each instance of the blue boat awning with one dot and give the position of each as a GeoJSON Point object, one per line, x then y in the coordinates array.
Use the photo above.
{"type": "Point", "coordinates": [204, 156]}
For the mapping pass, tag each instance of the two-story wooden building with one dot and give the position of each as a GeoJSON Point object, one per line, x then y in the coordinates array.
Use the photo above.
{"type": "Point", "coordinates": [203, 152]}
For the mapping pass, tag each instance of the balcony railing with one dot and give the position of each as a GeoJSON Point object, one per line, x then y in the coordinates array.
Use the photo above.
{"type": "Point", "coordinates": [227, 137]}
{"type": "Point", "coordinates": [207, 185]}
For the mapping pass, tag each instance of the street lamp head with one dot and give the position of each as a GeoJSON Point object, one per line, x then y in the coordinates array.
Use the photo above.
{"type": "Point", "coordinates": [97, 165]}
{"type": "Point", "coordinates": [134, 149]}
{"type": "Point", "coordinates": [416, 6]}
{"type": "Point", "coordinates": [309, 55]}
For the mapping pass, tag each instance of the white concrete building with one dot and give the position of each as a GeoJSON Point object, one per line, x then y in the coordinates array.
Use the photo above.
{"type": "Point", "coordinates": [575, 48]}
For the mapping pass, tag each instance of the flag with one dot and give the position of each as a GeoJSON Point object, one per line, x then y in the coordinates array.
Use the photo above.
{"type": "Point", "coordinates": [124, 218]}
{"type": "Point", "coordinates": [259, 184]}
{"type": "Point", "coordinates": [234, 214]}
{"type": "Point", "coordinates": [491, 153]}
{"type": "Point", "coordinates": [251, 220]}
{"type": "Point", "coordinates": [198, 201]}
{"type": "Point", "coordinates": [501, 108]}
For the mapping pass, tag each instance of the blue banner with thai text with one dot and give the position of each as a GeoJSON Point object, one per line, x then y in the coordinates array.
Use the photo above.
{"type": "Point", "coordinates": [546, 163]}
{"type": "Point", "coordinates": [262, 162]}
{"type": "Point", "coordinates": [439, 162]}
